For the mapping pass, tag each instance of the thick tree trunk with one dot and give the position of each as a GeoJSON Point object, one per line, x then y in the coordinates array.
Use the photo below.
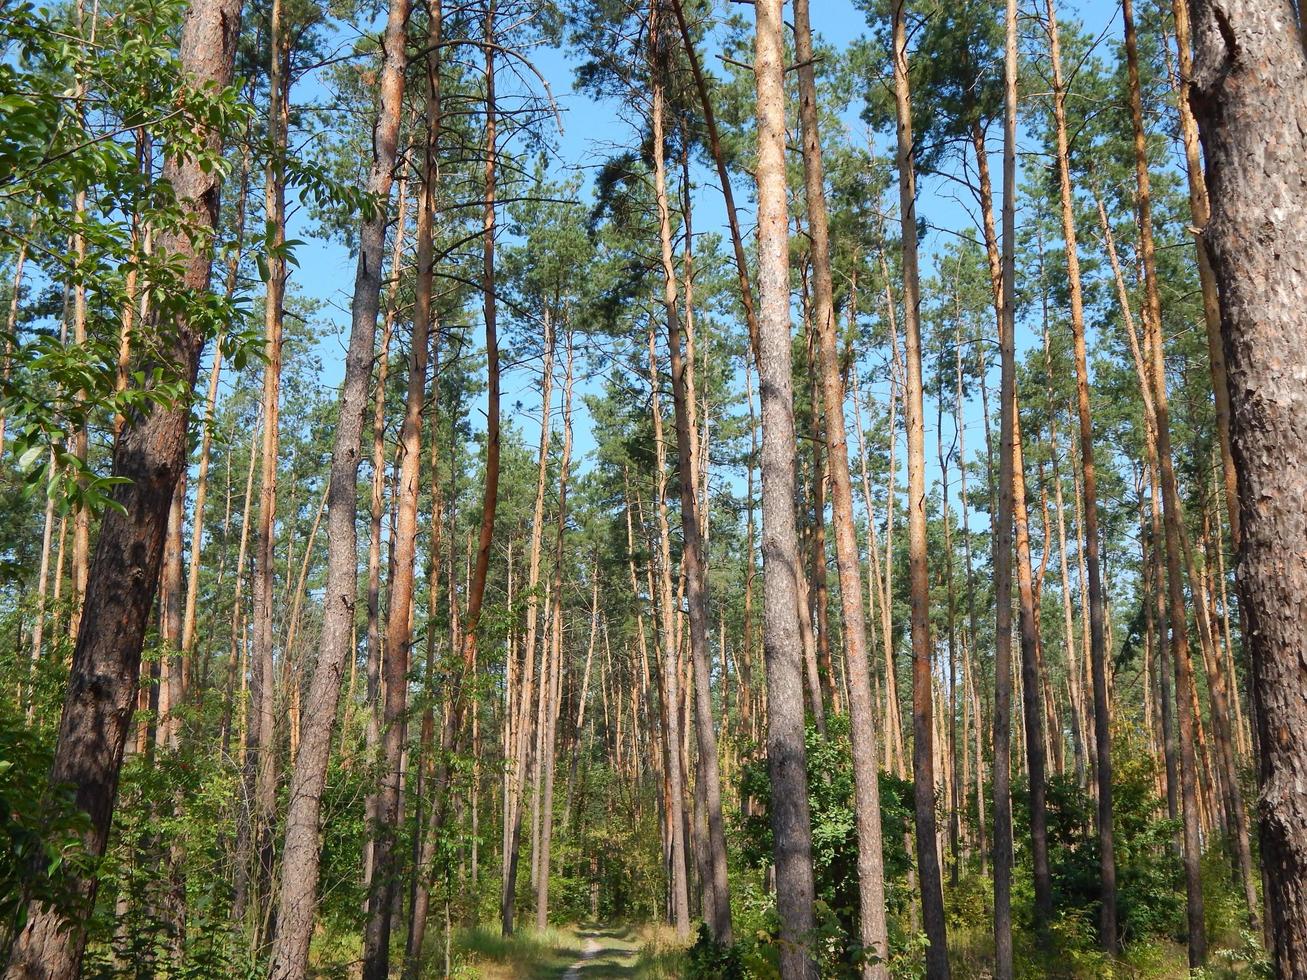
{"type": "Point", "coordinates": [873, 933]}
{"type": "Point", "coordinates": [790, 818]}
{"type": "Point", "coordinates": [124, 572]}
{"type": "Point", "coordinates": [1249, 95]}
{"type": "Point", "coordinates": [301, 856]}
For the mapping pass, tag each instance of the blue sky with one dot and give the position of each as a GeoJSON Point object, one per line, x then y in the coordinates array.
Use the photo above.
{"type": "Point", "coordinates": [590, 132]}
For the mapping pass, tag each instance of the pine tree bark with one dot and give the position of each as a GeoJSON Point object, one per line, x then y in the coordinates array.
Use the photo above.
{"type": "Point", "coordinates": [1248, 95]}
{"type": "Point", "coordinates": [376, 513]}
{"type": "Point", "coordinates": [124, 571]}
{"type": "Point", "coordinates": [300, 854]}
{"type": "Point", "coordinates": [1171, 513]}
{"type": "Point", "coordinates": [262, 762]}
{"type": "Point", "coordinates": [923, 768]}
{"type": "Point", "coordinates": [717, 900]}
{"type": "Point", "coordinates": [670, 696]}
{"type": "Point", "coordinates": [1002, 535]}
{"type": "Point", "coordinates": [552, 690]}
{"type": "Point", "coordinates": [508, 897]}
{"type": "Point", "coordinates": [1032, 686]}
{"type": "Point", "coordinates": [790, 817]}
{"type": "Point", "coordinates": [1107, 927]}
{"type": "Point", "coordinates": [873, 932]}
{"type": "Point", "coordinates": [399, 623]}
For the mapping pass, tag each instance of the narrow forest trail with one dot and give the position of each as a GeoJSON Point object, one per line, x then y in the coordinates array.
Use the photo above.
{"type": "Point", "coordinates": [606, 952]}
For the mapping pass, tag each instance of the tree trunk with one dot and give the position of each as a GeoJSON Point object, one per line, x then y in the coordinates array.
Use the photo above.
{"type": "Point", "coordinates": [523, 730]}
{"type": "Point", "coordinates": [263, 764]}
{"type": "Point", "coordinates": [173, 680]}
{"type": "Point", "coordinates": [873, 933]}
{"type": "Point", "coordinates": [1249, 80]}
{"type": "Point", "coordinates": [124, 572]}
{"type": "Point", "coordinates": [1171, 514]}
{"type": "Point", "coordinates": [1031, 679]}
{"type": "Point", "coordinates": [1107, 927]}
{"type": "Point", "coordinates": [719, 158]}
{"type": "Point", "coordinates": [973, 626]}
{"type": "Point", "coordinates": [1002, 535]}
{"type": "Point", "coordinates": [923, 774]}
{"type": "Point", "coordinates": [552, 682]}
{"type": "Point", "coordinates": [210, 402]}
{"type": "Point", "coordinates": [399, 623]}
{"type": "Point", "coordinates": [300, 855]}
{"type": "Point", "coordinates": [376, 512]}
{"type": "Point", "coordinates": [717, 904]}
{"type": "Point", "coordinates": [11, 324]}
{"type": "Point", "coordinates": [671, 700]}
{"type": "Point", "coordinates": [452, 735]}
{"type": "Point", "coordinates": [790, 818]}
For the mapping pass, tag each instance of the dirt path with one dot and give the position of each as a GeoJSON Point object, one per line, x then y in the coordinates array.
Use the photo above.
{"type": "Point", "coordinates": [606, 953]}
{"type": "Point", "coordinates": [591, 950]}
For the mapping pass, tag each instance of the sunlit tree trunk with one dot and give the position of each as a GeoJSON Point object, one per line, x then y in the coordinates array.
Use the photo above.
{"type": "Point", "coordinates": [895, 756]}
{"type": "Point", "coordinates": [1171, 513]}
{"type": "Point", "coordinates": [523, 728]}
{"type": "Point", "coordinates": [263, 761]}
{"type": "Point", "coordinates": [873, 932]}
{"type": "Point", "coordinates": [1107, 927]}
{"type": "Point", "coordinates": [717, 904]}
{"type": "Point", "coordinates": [377, 510]}
{"type": "Point", "coordinates": [790, 816]}
{"type": "Point", "coordinates": [932, 897]}
{"type": "Point", "coordinates": [300, 856]}
{"type": "Point", "coordinates": [675, 794]}
{"type": "Point", "coordinates": [1002, 535]}
{"type": "Point", "coordinates": [1031, 680]}
{"type": "Point", "coordinates": [399, 623]}
{"type": "Point", "coordinates": [551, 692]}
